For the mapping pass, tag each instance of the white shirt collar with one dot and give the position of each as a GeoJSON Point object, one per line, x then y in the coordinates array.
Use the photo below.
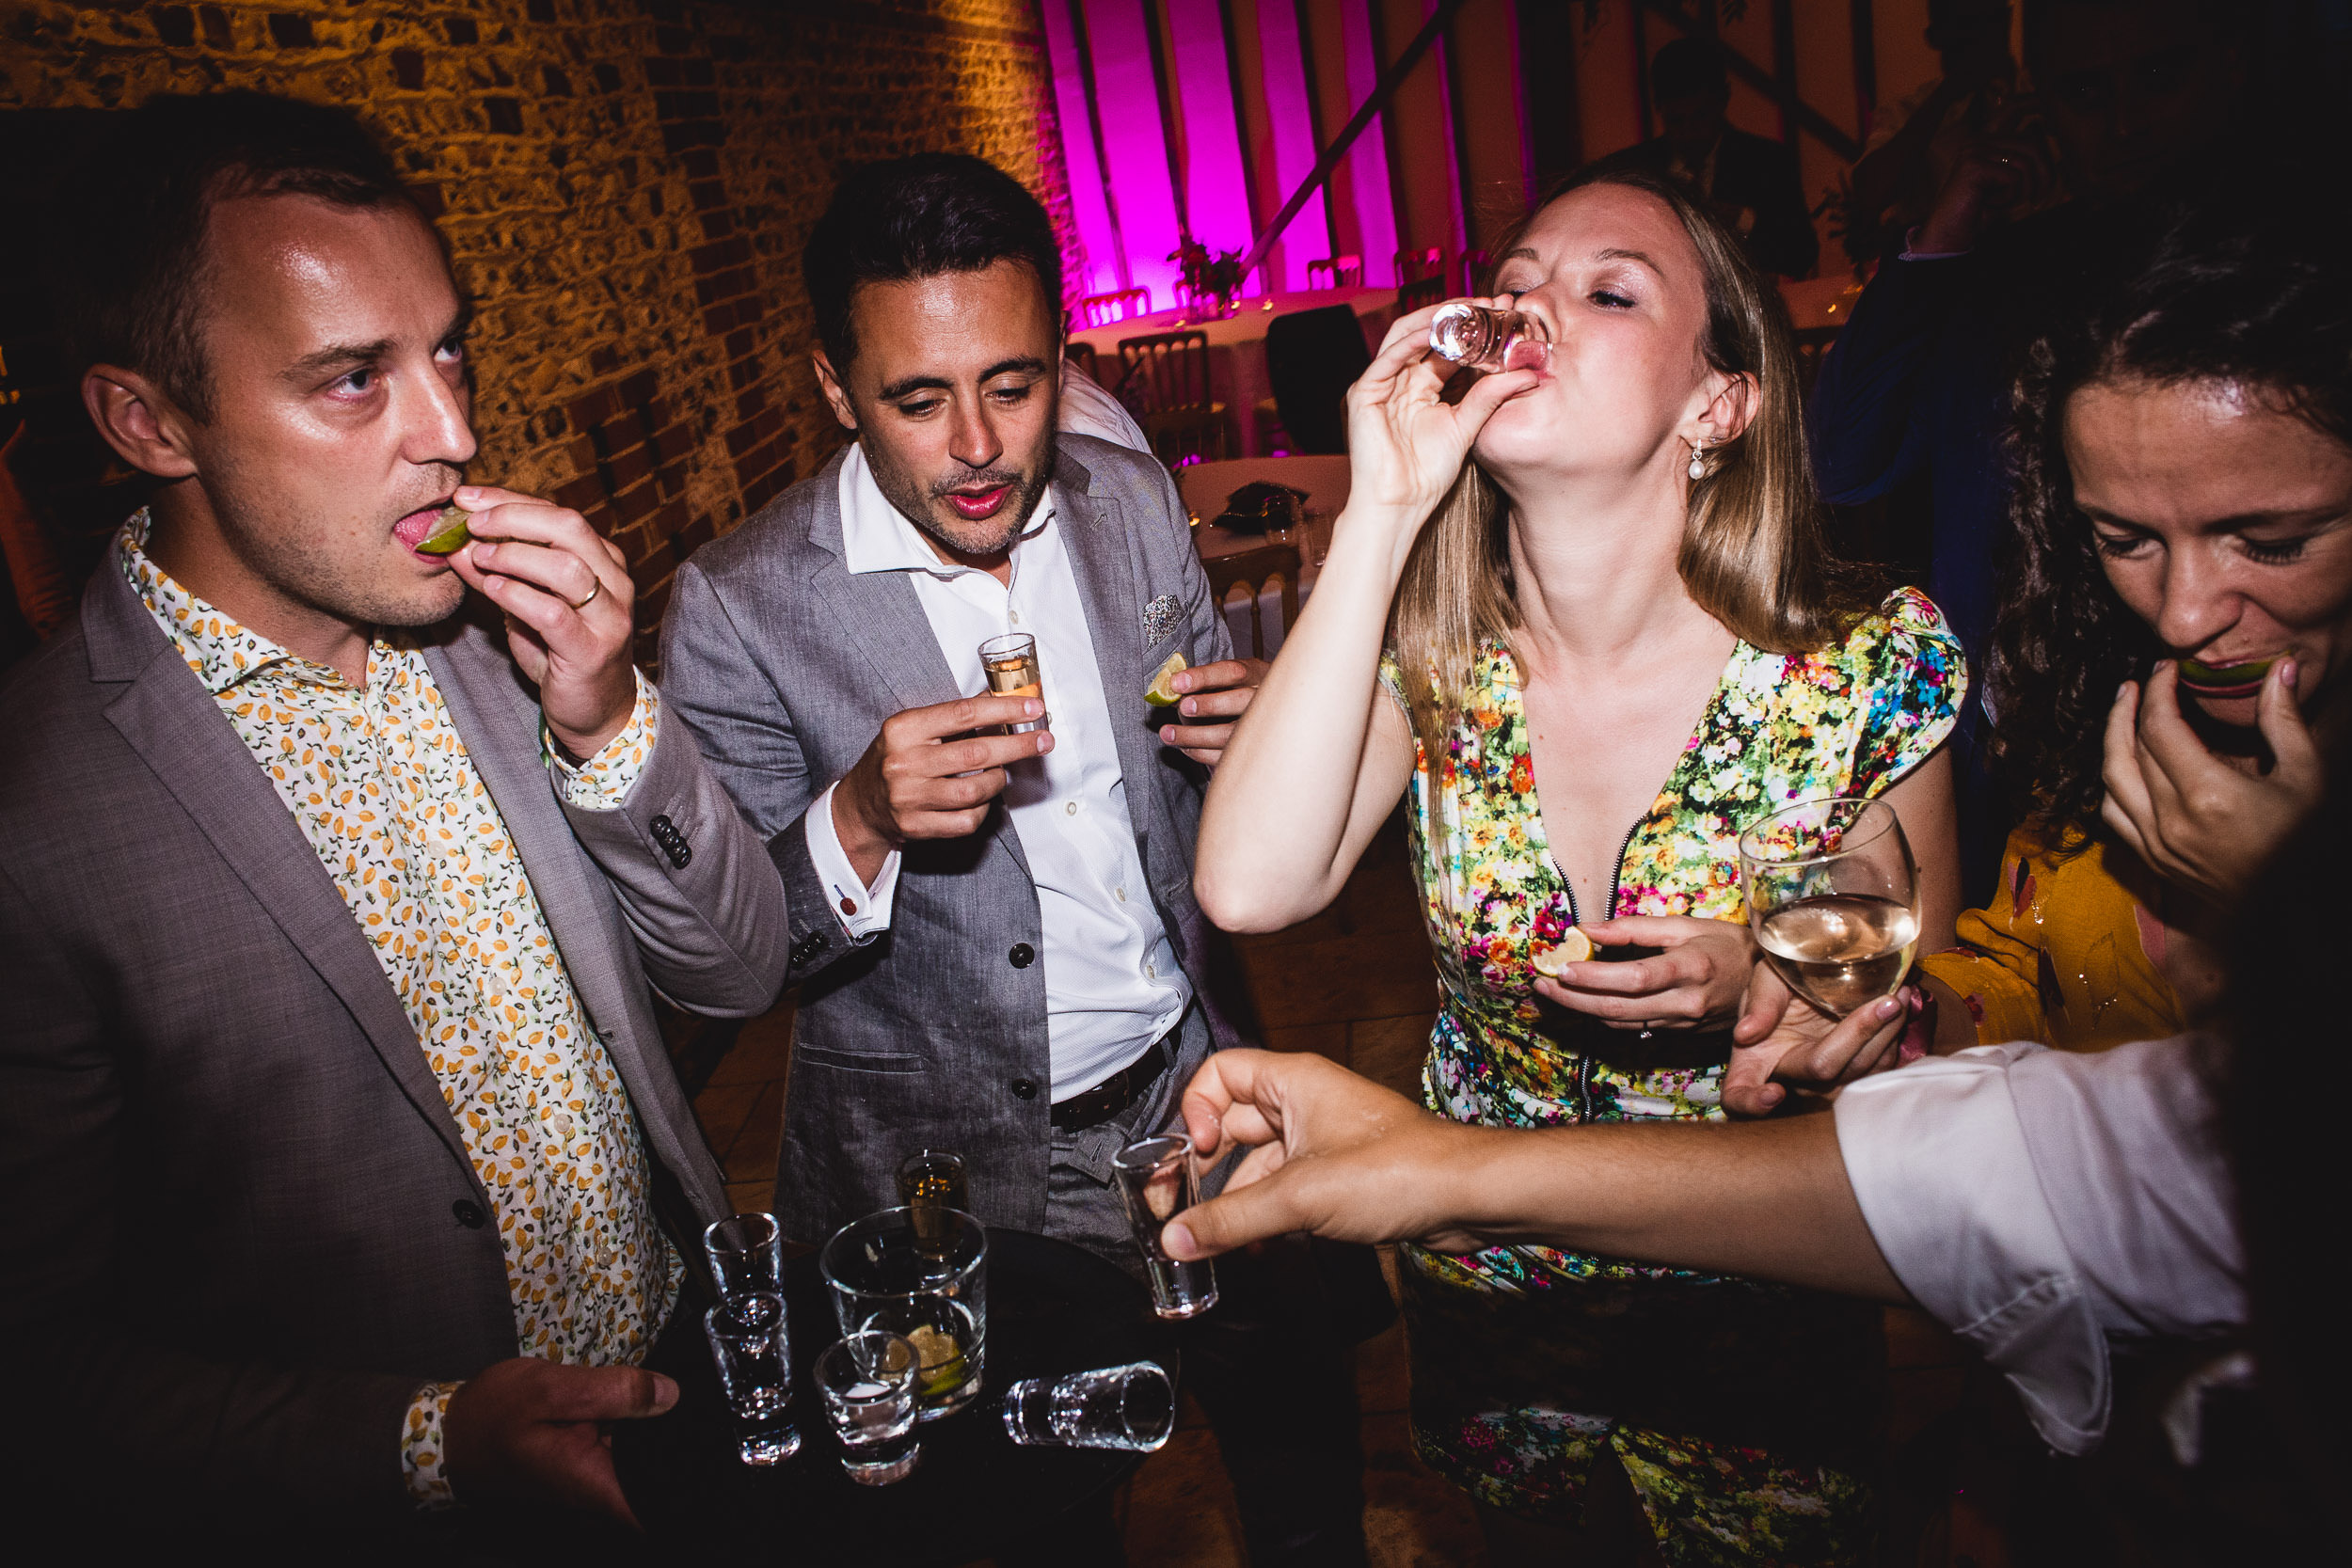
{"type": "Point", "coordinates": [877, 537]}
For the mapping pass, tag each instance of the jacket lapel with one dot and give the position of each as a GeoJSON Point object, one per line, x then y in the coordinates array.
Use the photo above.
{"type": "Point", "coordinates": [166, 716]}
{"type": "Point", "coordinates": [1103, 559]}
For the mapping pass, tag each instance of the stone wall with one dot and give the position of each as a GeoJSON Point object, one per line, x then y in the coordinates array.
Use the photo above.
{"type": "Point", "coordinates": [625, 185]}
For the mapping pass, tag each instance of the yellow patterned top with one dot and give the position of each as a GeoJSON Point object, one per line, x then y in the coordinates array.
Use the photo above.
{"type": "Point", "coordinates": [383, 788]}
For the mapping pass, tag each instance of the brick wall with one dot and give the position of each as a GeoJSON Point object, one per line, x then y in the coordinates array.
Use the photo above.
{"type": "Point", "coordinates": [625, 185]}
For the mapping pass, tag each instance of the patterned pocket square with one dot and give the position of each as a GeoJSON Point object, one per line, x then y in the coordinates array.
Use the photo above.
{"type": "Point", "coordinates": [1160, 617]}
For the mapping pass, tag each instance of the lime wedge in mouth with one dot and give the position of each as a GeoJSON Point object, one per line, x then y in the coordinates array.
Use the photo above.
{"type": "Point", "coordinates": [1160, 694]}
{"type": "Point", "coordinates": [2226, 676]}
{"type": "Point", "coordinates": [447, 535]}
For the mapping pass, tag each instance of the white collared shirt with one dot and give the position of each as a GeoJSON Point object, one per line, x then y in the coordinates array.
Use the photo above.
{"type": "Point", "coordinates": [1112, 982]}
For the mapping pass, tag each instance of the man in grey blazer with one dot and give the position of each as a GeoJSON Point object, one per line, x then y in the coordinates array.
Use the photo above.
{"type": "Point", "coordinates": [343, 1170]}
{"type": "Point", "coordinates": [994, 932]}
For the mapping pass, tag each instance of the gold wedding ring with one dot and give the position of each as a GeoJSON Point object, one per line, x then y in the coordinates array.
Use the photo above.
{"type": "Point", "coordinates": [592, 595]}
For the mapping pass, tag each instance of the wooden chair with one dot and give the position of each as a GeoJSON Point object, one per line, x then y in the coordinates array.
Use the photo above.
{"type": "Point", "coordinates": [1082, 355]}
{"type": "Point", "coordinates": [1413, 265]}
{"type": "Point", "coordinates": [1183, 437]}
{"type": "Point", "coordinates": [1335, 272]}
{"type": "Point", "coordinates": [1102, 309]}
{"type": "Point", "coordinates": [1474, 265]}
{"type": "Point", "coordinates": [1255, 571]}
{"type": "Point", "coordinates": [1421, 294]}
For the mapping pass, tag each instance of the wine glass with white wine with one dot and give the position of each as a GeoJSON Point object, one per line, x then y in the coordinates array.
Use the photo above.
{"type": "Point", "coordinates": [1833, 899]}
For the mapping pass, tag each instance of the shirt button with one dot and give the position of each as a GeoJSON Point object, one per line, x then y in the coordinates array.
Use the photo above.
{"type": "Point", "coordinates": [1150, 972]}
{"type": "Point", "coordinates": [1120, 893]}
{"type": "Point", "coordinates": [1016, 617]}
{"type": "Point", "coordinates": [468, 1213]}
{"type": "Point", "coordinates": [1025, 1088]}
{"type": "Point", "coordinates": [1071, 809]}
{"type": "Point", "coordinates": [1022, 956]}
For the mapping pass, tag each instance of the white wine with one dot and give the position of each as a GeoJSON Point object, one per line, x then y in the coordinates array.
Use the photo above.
{"type": "Point", "coordinates": [1841, 952]}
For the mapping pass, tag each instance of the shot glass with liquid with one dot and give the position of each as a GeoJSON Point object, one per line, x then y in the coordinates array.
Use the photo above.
{"type": "Point", "coordinates": [1010, 664]}
{"type": "Point", "coordinates": [1481, 338]}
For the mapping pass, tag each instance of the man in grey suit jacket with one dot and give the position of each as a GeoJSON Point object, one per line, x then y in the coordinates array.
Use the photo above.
{"type": "Point", "coordinates": [342, 1165]}
{"type": "Point", "coordinates": [994, 932]}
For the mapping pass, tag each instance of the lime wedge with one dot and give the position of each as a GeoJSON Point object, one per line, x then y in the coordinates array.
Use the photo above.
{"type": "Point", "coordinates": [1160, 694]}
{"type": "Point", "coordinates": [1574, 949]}
{"type": "Point", "coordinates": [2198, 672]}
{"type": "Point", "coordinates": [447, 535]}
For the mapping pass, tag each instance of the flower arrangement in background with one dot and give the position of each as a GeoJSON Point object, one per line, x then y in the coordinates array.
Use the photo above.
{"type": "Point", "coordinates": [1210, 278]}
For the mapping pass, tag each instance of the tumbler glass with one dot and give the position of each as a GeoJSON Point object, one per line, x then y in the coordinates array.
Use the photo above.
{"type": "Point", "coordinates": [929, 1286]}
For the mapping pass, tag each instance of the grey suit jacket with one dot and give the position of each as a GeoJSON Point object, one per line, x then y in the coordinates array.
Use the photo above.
{"type": "Point", "coordinates": [232, 1200]}
{"type": "Point", "coordinates": [785, 664]}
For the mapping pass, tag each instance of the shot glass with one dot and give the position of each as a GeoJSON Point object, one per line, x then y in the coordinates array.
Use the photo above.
{"type": "Point", "coordinates": [867, 1381]}
{"type": "Point", "coordinates": [1157, 1181]}
{"type": "Point", "coordinates": [930, 1184]}
{"type": "Point", "coordinates": [1113, 1407]}
{"type": "Point", "coordinates": [929, 1287]}
{"type": "Point", "coordinates": [1485, 339]}
{"type": "Point", "coordinates": [1011, 662]}
{"type": "Point", "coordinates": [746, 1253]}
{"type": "Point", "coordinates": [748, 1343]}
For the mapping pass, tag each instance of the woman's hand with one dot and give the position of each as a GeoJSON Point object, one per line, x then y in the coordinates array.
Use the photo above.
{"type": "Point", "coordinates": [2197, 820]}
{"type": "Point", "coordinates": [1783, 1039]}
{"type": "Point", "coordinates": [1405, 445]}
{"type": "Point", "coordinates": [1698, 982]}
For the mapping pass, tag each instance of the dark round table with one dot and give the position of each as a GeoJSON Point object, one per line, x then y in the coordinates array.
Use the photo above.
{"type": "Point", "coordinates": [1052, 1309]}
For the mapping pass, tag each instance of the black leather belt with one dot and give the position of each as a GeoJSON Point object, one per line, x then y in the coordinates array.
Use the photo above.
{"type": "Point", "coordinates": [1114, 1094]}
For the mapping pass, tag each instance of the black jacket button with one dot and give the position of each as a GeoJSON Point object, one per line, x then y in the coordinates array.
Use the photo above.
{"type": "Point", "coordinates": [1022, 954]}
{"type": "Point", "coordinates": [1025, 1088]}
{"type": "Point", "coordinates": [468, 1213]}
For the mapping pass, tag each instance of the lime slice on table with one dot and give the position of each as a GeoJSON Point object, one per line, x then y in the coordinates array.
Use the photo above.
{"type": "Point", "coordinates": [447, 535]}
{"type": "Point", "coordinates": [1160, 694]}
{"type": "Point", "coordinates": [1573, 948]}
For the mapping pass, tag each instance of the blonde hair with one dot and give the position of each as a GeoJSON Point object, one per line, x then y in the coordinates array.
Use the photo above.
{"type": "Point", "coordinates": [1753, 554]}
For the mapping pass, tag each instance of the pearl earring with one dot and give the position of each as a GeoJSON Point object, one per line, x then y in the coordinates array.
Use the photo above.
{"type": "Point", "coordinates": [1698, 461]}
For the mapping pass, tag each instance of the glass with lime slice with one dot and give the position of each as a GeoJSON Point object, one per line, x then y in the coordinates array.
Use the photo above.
{"type": "Point", "coordinates": [926, 1284]}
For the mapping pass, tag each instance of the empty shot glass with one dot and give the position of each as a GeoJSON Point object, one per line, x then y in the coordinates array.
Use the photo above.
{"type": "Point", "coordinates": [746, 1253]}
{"type": "Point", "coordinates": [868, 1382]}
{"type": "Point", "coordinates": [930, 1184]}
{"type": "Point", "coordinates": [1157, 1181]}
{"type": "Point", "coordinates": [747, 1341]}
{"type": "Point", "coordinates": [1112, 1407]}
{"type": "Point", "coordinates": [1010, 664]}
{"type": "Point", "coordinates": [1483, 339]}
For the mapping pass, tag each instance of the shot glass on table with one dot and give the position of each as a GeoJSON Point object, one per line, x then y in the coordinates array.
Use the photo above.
{"type": "Point", "coordinates": [1112, 1407]}
{"type": "Point", "coordinates": [868, 1384]}
{"type": "Point", "coordinates": [930, 1184]}
{"type": "Point", "coordinates": [928, 1284]}
{"type": "Point", "coordinates": [746, 1253]}
{"type": "Point", "coordinates": [1157, 1182]}
{"type": "Point", "coordinates": [749, 1343]}
{"type": "Point", "coordinates": [1010, 664]}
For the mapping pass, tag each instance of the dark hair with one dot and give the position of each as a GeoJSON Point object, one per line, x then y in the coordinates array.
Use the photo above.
{"type": "Point", "coordinates": [1688, 68]}
{"type": "Point", "coordinates": [918, 218]}
{"type": "Point", "coordinates": [128, 253]}
{"type": "Point", "coordinates": [2248, 285]}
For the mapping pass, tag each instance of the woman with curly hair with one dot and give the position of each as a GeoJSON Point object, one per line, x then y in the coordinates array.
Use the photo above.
{"type": "Point", "coordinates": [2179, 616]}
{"type": "Point", "coordinates": [1583, 622]}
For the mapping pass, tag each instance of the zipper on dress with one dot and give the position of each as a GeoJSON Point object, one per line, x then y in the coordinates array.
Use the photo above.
{"type": "Point", "coordinates": [1616, 876]}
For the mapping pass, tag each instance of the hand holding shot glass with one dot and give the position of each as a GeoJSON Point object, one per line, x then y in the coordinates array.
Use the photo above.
{"type": "Point", "coordinates": [1157, 1182]}
{"type": "Point", "coordinates": [1010, 664]}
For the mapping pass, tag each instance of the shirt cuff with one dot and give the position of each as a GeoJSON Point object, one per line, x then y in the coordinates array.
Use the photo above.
{"type": "Point", "coordinates": [422, 1451]}
{"type": "Point", "coordinates": [603, 781]}
{"type": "Point", "coordinates": [1911, 237]}
{"type": "Point", "coordinates": [862, 910]}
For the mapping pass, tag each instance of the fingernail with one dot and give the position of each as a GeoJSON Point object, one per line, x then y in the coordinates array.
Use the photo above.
{"type": "Point", "coordinates": [2287, 672]}
{"type": "Point", "coordinates": [1177, 1238]}
{"type": "Point", "coordinates": [1167, 734]}
{"type": "Point", "coordinates": [1887, 1007]}
{"type": "Point", "coordinates": [1033, 708]}
{"type": "Point", "coordinates": [1188, 707]}
{"type": "Point", "coordinates": [1044, 740]}
{"type": "Point", "coordinates": [1182, 682]}
{"type": "Point", "coordinates": [665, 1391]}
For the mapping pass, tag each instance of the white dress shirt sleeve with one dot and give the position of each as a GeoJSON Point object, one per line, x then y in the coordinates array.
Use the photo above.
{"type": "Point", "coordinates": [1993, 1179]}
{"type": "Point", "coordinates": [862, 910]}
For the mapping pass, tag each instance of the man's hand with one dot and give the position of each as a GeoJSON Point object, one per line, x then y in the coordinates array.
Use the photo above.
{"type": "Point", "coordinates": [928, 776]}
{"type": "Point", "coordinates": [1783, 1039]}
{"type": "Point", "coordinates": [533, 1431]}
{"type": "Point", "coordinates": [2197, 820]}
{"type": "Point", "coordinates": [570, 607]}
{"type": "Point", "coordinates": [1220, 691]}
{"type": "Point", "coordinates": [1330, 1152]}
{"type": "Point", "coordinates": [1995, 173]}
{"type": "Point", "coordinates": [1697, 982]}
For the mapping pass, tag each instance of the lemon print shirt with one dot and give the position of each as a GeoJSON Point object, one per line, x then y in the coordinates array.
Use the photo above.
{"type": "Point", "coordinates": [381, 784]}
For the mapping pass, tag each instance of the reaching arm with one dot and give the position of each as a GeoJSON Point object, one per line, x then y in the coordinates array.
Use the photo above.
{"type": "Point", "coordinates": [1345, 1158]}
{"type": "Point", "coordinates": [1323, 753]}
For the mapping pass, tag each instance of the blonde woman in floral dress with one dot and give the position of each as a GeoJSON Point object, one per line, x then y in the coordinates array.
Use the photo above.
{"type": "Point", "coordinates": [1583, 620]}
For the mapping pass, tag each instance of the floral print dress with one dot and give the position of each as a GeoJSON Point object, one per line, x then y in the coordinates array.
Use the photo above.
{"type": "Point", "coordinates": [1738, 1410]}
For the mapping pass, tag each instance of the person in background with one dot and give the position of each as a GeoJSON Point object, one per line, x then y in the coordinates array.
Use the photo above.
{"type": "Point", "coordinates": [994, 932]}
{"type": "Point", "coordinates": [1749, 184]}
{"type": "Point", "coordinates": [1583, 623]}
{"type": "Point", "coordinates": [2180, 614]}
{"type": "Point", "coordinates": [345, 1173]}
{"type": "Point", "coordinates": [1917, 140]}
{"type": "Point", "coordinates": [1917, 387]}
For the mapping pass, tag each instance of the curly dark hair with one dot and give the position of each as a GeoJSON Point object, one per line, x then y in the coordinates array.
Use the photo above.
{"type": "Point", "coordinates": [2248, 285]}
